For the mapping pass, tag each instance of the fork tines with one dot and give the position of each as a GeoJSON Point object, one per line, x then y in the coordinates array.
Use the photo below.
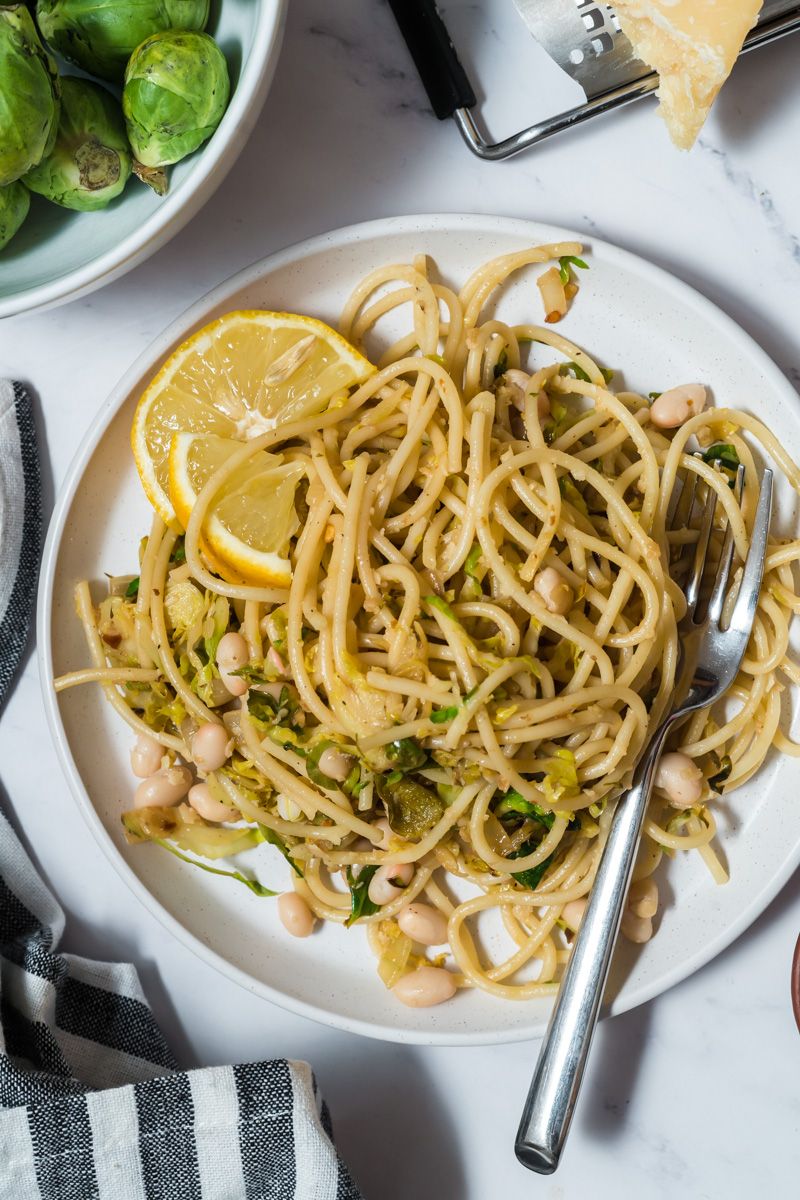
{"type": "Point", "coordinates": [691, 523]}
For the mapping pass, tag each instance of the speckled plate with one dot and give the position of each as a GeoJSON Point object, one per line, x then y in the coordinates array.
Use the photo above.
{"type": "Point", "coordinates": [632, 317]}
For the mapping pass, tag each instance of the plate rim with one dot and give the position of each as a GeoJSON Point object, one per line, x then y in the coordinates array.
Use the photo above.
{"type": "Point", "coordinates": [417, 224]}
{"type": "Point", "coordinates": [211, 169]}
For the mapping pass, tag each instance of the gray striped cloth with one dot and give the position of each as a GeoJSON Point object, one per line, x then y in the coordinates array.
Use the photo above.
{"type": "Point", "coordinates": [20, 526]}
{"type": "Point", "coordinates": [92, 1103]}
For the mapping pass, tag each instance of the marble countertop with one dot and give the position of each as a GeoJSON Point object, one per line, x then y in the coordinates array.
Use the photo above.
{"type": "Point", "coordinates": [695, 1094]}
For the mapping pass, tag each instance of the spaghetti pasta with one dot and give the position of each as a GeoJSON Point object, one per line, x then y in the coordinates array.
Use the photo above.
{"type": "Point", "coordinates": [421, 695]}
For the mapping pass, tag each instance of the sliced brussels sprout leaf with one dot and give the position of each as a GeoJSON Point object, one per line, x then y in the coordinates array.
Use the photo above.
{"type": "Point", "coordinates": [725, 453]}
{"type": "Point", "coordinates": [397, 947]}
{"type": "Point", "coordinates": [534, 875]}
{"type": "Point", "coordinates": [183, 607]}
{"type": "Point", "coordinates": [181, 825]}
{"type": "Point", "coordinates": [513, 802]}
{"type": "Point", "coordinates": [566, 262]}
{"type": "Point", "coordinates": [561, 776]}
{"type": "Point", "coordinates": [717, 780]}
{"type": "Point", "coordinates": [472, 560]}
{"type": "Point", "coordinates": [441, 606]}
{"type": "Point", "coordinates": [440, 716]}
{"type": "Point", "coordinates": [264, 709]}
{"type": "Point", "coordinates": [360, 903]}
{"type": "Point", "coordinates": [258, 889]}
{"type": "Point", "coordinates": [276, 840]}
{"type": "Point", "coordinates": [406, 754]}
{"type": "Point", "coordinates": [411, 809]}
{"type": "Point", "coordinates": [572, 495]}
{"type": "Point", "coordinates": [573, 368]}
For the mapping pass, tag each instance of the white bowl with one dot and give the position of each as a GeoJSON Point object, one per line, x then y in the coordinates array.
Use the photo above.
{"type": "Point", "coordinates": [633, 317]}
{"type": "Point", "coordinates": [59, 255]}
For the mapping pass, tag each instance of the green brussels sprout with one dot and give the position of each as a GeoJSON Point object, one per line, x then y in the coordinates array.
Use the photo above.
{"type": "Point", "coordinates": [176, 90]}
{"type": "Point", "coordinates": [14, 204]}
{"type": "Point", "coordinates": [91, 162]}
{"type": "Point", "coordinates": [101, 35]}
{"type": "Point", "coordinates": [29, 92]}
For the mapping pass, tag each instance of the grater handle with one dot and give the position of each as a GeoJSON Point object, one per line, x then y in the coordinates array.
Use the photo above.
{"type": "Point", "coordinates": [434, 55]}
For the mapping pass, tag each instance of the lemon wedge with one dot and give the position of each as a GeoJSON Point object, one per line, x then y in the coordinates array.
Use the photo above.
{"type": "Point", "coordinates": [238, 377]}
{"type": "Point", "coordinates": [246, 531]}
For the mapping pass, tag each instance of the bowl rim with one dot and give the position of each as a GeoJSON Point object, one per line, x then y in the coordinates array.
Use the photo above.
{"type": "Point", "coordinates": [148, 361]}
{"type": "Point", "coordinates": [213, 164]}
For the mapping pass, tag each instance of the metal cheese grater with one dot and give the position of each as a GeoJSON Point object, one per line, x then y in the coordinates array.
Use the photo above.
{"type": "Point", "coordinates": [582, 36]}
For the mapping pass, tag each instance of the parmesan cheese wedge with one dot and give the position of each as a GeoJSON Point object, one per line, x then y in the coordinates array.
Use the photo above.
{"type": "Point", "coordinates": [692, 44]}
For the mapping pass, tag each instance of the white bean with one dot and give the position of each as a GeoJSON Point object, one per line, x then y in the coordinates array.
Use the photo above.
{"type": "Point", "coordinates": [168, 786]}
{"type": "Point", "coordinates": [335, 763]}
{"type": "Point", "coordinates": [636, 929]}
{"type": "Point", "coordinates": [232, 652]}
{"type": "Point", "coordinates": [237, 685]}
{"type": "Point", "coordinates": [672, 408]}
{"type": "Point", "coordinates": [211, 746]}
{"type": "Point", "coordinates": [643, 898]}
{"type": "Point", "coordinates": [572, 913]}
{"type": "Point", "coordinates": [554, 590]}
{"type": "Point", "coordinates": [388, 882]}
{"type": "Point", "coordinates": [146, 756]}
{"type": "Point", "coordinates": [425, 986]}
{"type": "Point", "coordinates": [423, 924]}
{"type": "Point", "coordinates": [296, 917]}
{"type": "Point", "coordinates": [681, 778]}
{"type": "Point", "coordinates": [205, 803]}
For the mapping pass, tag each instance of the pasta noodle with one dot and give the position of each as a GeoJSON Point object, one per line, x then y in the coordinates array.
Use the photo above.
{"type": "Point", "coordinates": [480, 633]}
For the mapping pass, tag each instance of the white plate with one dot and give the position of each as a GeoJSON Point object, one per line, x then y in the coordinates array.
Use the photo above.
{"type": "Point", "coordinates": [633, 317]}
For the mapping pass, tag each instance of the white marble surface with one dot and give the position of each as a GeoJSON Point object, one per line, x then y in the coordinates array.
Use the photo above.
{"type": "Point", "coordinates": [694, 1095]}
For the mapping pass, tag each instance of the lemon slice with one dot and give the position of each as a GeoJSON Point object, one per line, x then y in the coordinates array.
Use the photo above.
{"type": "Point", "coordinates": [239, 377]}
{"type": "Point", "coordinates": [247, 529]}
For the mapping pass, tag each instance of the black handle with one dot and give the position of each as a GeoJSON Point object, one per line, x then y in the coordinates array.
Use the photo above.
{"type": "Point", "coordinates": [434, 56]}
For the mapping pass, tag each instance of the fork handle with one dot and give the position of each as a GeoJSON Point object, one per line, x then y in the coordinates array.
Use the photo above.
{"type": "Point", "coordinates": [559, 1070]}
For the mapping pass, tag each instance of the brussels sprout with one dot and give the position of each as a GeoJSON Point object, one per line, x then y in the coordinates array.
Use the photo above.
{"type": "Point", "coordinates": [90, 163]}
{"type": "Point", "coordinates": [29, 91]}
{"type": "Point", "coordinates": [14, 205]}
{"type": "Point", "coordinates": [176, 90]}
{"type": "Point", "coordinates": [101, 35]}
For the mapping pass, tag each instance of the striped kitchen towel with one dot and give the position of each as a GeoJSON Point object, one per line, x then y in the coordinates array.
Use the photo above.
{"type": "Point", "coordinates": [92, 1104]}
{"type": "Point", "coordinates": [20, 526]}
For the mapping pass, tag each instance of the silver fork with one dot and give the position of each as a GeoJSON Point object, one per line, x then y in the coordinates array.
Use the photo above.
{"type": "Point", "coordinates": [711, 659]}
